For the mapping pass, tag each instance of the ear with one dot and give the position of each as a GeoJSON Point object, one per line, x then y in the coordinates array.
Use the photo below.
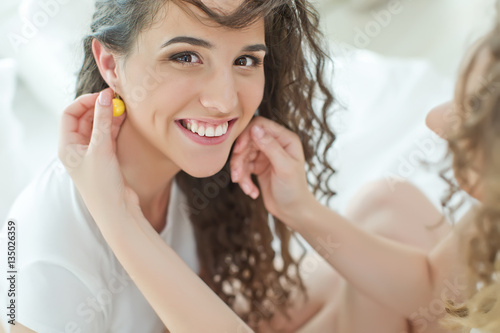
{"type": "Point", "coordinates": [106, 62]}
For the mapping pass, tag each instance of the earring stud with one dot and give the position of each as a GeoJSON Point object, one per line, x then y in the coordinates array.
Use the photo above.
{"type": "Point", "coordinates": [118, 106]}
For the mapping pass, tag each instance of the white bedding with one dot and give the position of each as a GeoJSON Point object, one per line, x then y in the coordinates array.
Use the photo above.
{"type": "Point", "coordinates": [382, 132]}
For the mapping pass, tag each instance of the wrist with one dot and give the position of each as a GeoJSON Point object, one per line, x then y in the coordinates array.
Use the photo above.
{"type": "Point", "coordinates": [300, 214]}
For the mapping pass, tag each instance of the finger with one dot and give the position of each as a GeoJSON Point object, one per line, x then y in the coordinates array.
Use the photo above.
{"type": "Point", "coordinates": [85, 124]}
{"type": "Point", "coordinates": [272, 148]}
{"type": "Point", "coordinates": [103, 120]}
{"type": "Point", "coordinates": [234, 165]}
{"type": "Point", "coordinates": [239, 148]}
{"type": "Point", "coordinates": [244, 167]}
{"type": "Point", "coordinates": [287, 139]}
{"type": "Point", "coordinates": [250, 189]}
{"type": "Point", "coordinates": [246, 183]}
{"type": "Point", "coordinates": [88, 121]}
{"type": "Point", "coordinates": [257, 166]}
{"type": "Point", "coordinates": [241, 141]}
{"type": "Point", "coordinates": [240, 160]}
{"type": "Point", "coordinates": [260, 164]}
{"type": "Point", "coordinates": [244, 172]}
{"type": "Point", "coordinates": [274, 153]}
{"type": "Point", "coordinates": [81, 104]}
{"type": "Point", "coordinates": [117, 123]}
{"type": "Point", "coordinates": [244, 137]}
{"type": "Point", "coordinates": [69, 123]}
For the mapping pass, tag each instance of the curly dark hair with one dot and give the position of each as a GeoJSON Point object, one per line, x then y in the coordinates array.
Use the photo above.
{"type": "Point", "coordinates": [234, 233]}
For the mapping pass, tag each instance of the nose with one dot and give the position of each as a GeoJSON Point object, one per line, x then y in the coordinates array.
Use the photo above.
{"type": "Point", "coordinates": [440, 119]}
{"type": "Point", "coordinates": [220, 93]}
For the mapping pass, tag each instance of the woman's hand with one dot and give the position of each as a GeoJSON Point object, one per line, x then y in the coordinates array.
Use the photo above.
{"type": "Point", "coordinates": [89, 154]}
{"type": "Point", "coordinates": [276, 156]}
{"type": "Point", "coordinates": [87, 148]}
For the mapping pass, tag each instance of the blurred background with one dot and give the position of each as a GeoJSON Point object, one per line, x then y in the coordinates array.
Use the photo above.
{"type": "Point", "coordinates": [393, 61]}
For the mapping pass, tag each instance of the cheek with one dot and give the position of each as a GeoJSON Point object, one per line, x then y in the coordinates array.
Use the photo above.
{"type": "Point", "coordinates": [470, 179]}
{"type": "Point", "coordinates": [251, 95]}
{"type": "Point", "coordinates": [176, 94]}
{"type": "Point", "coordinates": [472, 185]}
{"type": "Point", "coordinates": [159, 95]}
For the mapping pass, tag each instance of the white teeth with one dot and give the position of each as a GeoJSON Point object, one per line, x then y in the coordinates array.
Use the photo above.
{"type": "Point", "coordinates": [194, 128]}
{"type": "Point", "coordinates": [218, 130]}
{"type": "Point", "coordinates": [201, 130]}
{"type": "Point", "coordinates": [208, 130]}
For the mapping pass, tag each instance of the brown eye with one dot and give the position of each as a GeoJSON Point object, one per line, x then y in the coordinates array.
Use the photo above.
{"type": "Point", "coordinates": [241, 61]}
{"type": "Point", "coordinates": [247, 61]}
{"type": "Point", "coordinates": [186, 58]}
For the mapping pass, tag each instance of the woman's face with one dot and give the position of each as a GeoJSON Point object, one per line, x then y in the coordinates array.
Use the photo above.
{"type": "Point", "coordinates": [444, 119]}
{"type": "Point", "coordinates": [186, 71]}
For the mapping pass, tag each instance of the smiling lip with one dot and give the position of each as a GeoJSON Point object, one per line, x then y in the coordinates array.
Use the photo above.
{"type": "Point", "coordinates": [206, 140]}
{"type": "Point", "coordinates": [214, 122]}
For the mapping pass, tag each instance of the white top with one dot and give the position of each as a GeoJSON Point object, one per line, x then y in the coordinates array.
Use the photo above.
{"type": "Point", "coordinates": [67, 276]}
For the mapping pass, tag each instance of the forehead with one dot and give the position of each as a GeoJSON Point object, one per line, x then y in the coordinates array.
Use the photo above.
{"type": "Point", "coordinates": [173, 20]}
{"type": "Point", "coordinates": [225, 6]}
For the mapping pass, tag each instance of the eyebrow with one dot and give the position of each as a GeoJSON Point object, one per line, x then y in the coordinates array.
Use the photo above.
{"type": "Point", "coordinates": [208, 45]}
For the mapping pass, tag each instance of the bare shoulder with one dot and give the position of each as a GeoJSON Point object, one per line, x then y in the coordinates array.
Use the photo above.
{"type": "Point", "coordinates": [454, 245]}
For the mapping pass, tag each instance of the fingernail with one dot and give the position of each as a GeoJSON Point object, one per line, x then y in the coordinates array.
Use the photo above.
{"type": "Point", "coordinates": [236, 147]}
{"type": "Point", "coordinates": [105, 98]}
{"type": "Point", "coordinates": [246, 188]}
{"type": "Point", "coordinates": [258, 131]}
{"type": "Point", "coordinates": [234, 175]}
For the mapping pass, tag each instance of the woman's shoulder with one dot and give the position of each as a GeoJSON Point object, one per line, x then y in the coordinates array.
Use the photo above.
{"type": "Point", "coordinates": [52, 221]}
{"type": "Point", "coordinates": [48, 198]}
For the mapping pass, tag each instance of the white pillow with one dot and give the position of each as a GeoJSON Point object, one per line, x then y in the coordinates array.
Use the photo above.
{"type": "Point", "coordinates": [45, 39]}
{"type": "Point", "coordinates": [382, 133]}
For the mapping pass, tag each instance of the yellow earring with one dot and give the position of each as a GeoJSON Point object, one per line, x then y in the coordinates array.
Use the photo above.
{"type": "Point", "coordinates": [118, 106]}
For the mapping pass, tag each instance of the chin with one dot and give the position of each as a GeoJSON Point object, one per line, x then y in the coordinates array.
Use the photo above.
{"type": "Point", "coordinates": [204, 170]}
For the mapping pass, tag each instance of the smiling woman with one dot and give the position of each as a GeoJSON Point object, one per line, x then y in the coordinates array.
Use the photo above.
{"type": "Point", "coordinates": [202, 71]}
{"type": "Point", "coordinates": [192, 75]}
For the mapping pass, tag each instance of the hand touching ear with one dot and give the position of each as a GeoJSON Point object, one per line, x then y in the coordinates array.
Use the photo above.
{"type": "Point", "coordinates": [276, 156]}
{"type": "Point", "coordinates": [87, 148]}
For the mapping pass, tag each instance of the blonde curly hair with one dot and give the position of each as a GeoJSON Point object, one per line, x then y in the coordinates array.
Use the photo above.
{"type": "Point", "coordinates": [475, 142]}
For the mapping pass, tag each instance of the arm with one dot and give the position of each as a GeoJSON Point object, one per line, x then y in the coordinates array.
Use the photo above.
{"type": "Point", "coordinates": [180, 298]}
{"type": "Point", "coordinates": [398, 276]}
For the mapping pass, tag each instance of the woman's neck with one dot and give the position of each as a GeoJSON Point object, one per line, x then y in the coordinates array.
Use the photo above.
{"type": "Point", "coordinates": [148, 172]}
